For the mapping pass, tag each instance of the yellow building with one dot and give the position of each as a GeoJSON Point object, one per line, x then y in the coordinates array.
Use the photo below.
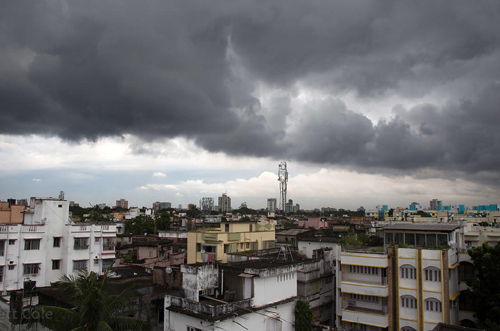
{"type": "Point", "coordinates": [213, 244]}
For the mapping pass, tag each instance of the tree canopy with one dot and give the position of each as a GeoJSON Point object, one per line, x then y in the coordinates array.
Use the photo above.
{"type": "Point", "coordinates": [97, 307]}
{"type": "Point", "coordinates": [303, 316]}
{"type": "Point", "coordinates": [485, 287]}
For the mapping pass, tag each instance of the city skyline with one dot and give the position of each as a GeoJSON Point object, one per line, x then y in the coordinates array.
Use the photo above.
{"type": "Point", "coordinates": [368, 103]}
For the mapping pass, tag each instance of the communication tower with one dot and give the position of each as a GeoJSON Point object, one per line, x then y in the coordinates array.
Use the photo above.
{"type": "Point", "coordinates": [283, 179]}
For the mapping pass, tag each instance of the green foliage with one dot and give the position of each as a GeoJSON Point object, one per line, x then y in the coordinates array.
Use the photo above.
{"type": "Point", "coordinates": [128, 258]}
{"type": "Point", "coordinates": [139, 225]}
{"type": "Point", "coordinates": [328, 232]}
{"type": "Point", "coordinates": [363, 239]}
{"type": "Point", "coordinates": [485, 288]}
{"type": "Point", "coordinates": [350, 240]}
{"type": "Point", "coordinates": [422, 213]}
{"type": "Point", "coordinates": [303, 316]}
{"type": "Point", "coordinates": [245, 219]}
{"type": "Point", "coordinates": [163, 221]}
{"type": "Point", "coordinates": [97, 307]}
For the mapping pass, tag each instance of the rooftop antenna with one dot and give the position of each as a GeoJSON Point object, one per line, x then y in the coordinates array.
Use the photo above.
{"type": "Point", "coordinates": [283, 179]}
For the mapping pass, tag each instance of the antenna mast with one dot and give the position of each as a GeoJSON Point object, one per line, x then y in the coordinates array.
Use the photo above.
{"type": "Point", "coordinates": [283, 179]}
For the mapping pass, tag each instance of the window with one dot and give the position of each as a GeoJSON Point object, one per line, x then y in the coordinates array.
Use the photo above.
{"type": "Point", "coordinates": [192, 328]}
{"type": "Point", "coordinates": [408, 272]}
{"type": "Point", "coordinates": [248, 245]}
{"type": "Point", "coordinates": [81, 243]}
{"type": "Point", "coordinates": [97, 239]}
{"type": "Point", "coordinates": [96, 261]}
{"type": "Point", "coordinates": [226, 227]}
{"type": "Point", "coordinates": [56, 264]}
{"type": "Point", "coordinates": [363, 270]}
{"type": "Point", "coordinates": [360, 297]}
{"type": "Point", "coordinates": [57, 241]}
{"type": "Point", "coordinates": [251, 227]}
{"type": "Point", "coordinates": [432, 275]}
{"type": "Point", "coordinates": [408, 302]}
{"type": "Point", "coordinates": [79, 265]}
{"type": "Point", "coordinates": [12, 241]}
{"type": "Point", "coordinates": [59, 206]}
{"type": "Point", "coordinates": [31, 269]}
{"type": "Point", "coordinates": [31, 244]}
{"type": "Point", "coordinates": [2, 247]}
{"type": "Point", "coordinates": [433, 305]}
{"type": "Point", "coordinates": [12, 267]}
{"type": "Point", "coordinates": [1, 274]}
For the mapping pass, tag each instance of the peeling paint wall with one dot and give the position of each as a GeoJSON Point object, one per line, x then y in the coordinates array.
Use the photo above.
{"type": "Point", "coordinates": [198, 278]}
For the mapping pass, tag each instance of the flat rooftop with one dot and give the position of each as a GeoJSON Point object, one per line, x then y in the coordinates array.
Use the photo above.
{"type": "Point", "coordinates": [431, 227]}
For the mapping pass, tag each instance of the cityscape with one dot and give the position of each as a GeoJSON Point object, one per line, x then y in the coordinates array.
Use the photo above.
{"type": "Point", "coordinates": [270, 165]}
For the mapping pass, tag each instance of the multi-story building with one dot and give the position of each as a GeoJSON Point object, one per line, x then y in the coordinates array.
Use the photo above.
{"type": "Point", "coordinates": [48, 245]}
{"type": "Point", "coordinates": [436, 204]}
{"type": "Point", "coordinates": [224, 203]}
{"type": "Point", "coordinates": [271, 204]}
{"type": "Point", "coordinates": [10, 212]}
{"type": "Point", "coordinates": [213, 244]}
{"type": "Point", "coordinates": [410, 288]}
{"type": "Point", "coordinates": [249, 295]}
{"type": "Point", "coordinates": [122, 203]}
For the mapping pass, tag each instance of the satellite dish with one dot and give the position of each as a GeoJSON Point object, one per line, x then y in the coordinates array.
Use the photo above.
{"type": "Point", "coordinates": [202, 251]}
{"type": "Point", "coordinates": [168, 270]}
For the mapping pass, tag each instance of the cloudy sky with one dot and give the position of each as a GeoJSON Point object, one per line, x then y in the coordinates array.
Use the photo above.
{"type": "Point", "coordinates": [369, 102]}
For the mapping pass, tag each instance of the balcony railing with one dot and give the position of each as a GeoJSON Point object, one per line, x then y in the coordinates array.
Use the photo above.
{"type": "Point", "coordinates": [383, 311]}
{"type": "Point", "coordinates": [210, 308]}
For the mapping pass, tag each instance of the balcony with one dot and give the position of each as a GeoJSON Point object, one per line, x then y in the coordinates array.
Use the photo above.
{"type": "Point", "coordinates": [369, 316]}
{"type": "Point", "coordinates": [379, 290]}
{"type": "Point", "coordinates": [209, 307]}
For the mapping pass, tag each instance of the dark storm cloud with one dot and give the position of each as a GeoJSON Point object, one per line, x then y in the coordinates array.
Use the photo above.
{"type": "Point", "coordinates": [162, 69]}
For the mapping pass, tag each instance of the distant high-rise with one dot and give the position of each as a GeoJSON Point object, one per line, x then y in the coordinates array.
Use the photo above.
{"type": "Point", "coordinates": [289, 206]}
{"type": "Point", "coordinates": [122, 203]}
{"type": "Point", "coordinates": [224, 203]}
{"type": "Point", "coordinates": [271, 204]}
{"type": "Point", "coordinates": [435, 203]}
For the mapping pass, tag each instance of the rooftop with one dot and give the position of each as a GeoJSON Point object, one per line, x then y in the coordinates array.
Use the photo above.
{"type": "Point", "coordinates": [432, 227]}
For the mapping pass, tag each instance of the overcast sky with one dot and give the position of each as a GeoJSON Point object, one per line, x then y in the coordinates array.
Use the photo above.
{"type": "Point", "coordinates": [369, 102]}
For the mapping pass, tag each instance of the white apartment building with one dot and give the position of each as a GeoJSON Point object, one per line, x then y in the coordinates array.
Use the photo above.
{"type": "Point", "coordinates": [251, 295]}
{"type": "Point", "coordinates": [48, 245]}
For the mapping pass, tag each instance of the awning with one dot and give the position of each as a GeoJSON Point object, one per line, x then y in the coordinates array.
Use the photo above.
{"type": "Point", "coordinates": [245, 275]}
{"type": "Point", "coordinates": [454, 296]}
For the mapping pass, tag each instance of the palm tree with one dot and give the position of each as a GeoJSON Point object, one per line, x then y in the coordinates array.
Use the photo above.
{"type": "Point", "coordinates": [96, 307]}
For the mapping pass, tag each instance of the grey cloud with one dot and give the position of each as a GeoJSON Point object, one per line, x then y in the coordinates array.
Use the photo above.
{"type": "Point", "coordinates": [164, 69]}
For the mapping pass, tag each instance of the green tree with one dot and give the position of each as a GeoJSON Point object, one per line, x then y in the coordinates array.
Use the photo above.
{"type": "Point", "coordinates": [96, 307]}
{"type": "Point", "coordinates": [139, 225]}
{"type": "Point", "coordinates": [485, 287]}
{"type": "Point", "coordinates": [303, 316]}
{"type": "Point", "coordinates": [163, 222]}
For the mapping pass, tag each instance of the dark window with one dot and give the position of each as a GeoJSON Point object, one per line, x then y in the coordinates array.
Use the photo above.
{"type": "Point", "coordinates": [12, 241]}
{"type": "Point", "coordinates": [31, 244]}
{"type": "Point", "coordinates": [57, 241]}
{"type": "Point", "coordinates": [79, 265]}
{"type": "Point", "coordinates": [29, 269]}
{"type": "Point", "coordinates": [81, 243]}
{"type": "Point", "coordinates": [56, 264]}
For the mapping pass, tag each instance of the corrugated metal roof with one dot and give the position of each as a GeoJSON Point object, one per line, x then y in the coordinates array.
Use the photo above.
{"type": "Point", "coordinates": [423, 227]}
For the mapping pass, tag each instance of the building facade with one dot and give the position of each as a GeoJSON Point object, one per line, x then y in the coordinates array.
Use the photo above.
{"type": "Point", "coordinates": [271, 204]}
{"type": "Point", "coordinates": [48, 245]}
{"type": "Point", "coordinates": [224, 203]}
{"type": "Point", "coordinates": [213, 244]}
{"type": "Point", "coordinates": [122, 203]}
{"type": "Point", "coordinates": [253, 295]}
